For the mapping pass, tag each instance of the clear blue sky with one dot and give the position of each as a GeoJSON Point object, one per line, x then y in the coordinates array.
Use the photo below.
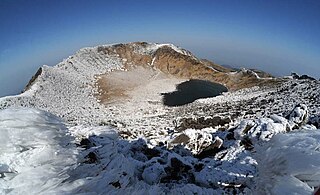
{"type": "Point", "coordinates": [278, 36]}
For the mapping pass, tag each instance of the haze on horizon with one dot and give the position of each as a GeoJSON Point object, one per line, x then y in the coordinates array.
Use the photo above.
{"type": "Point", "coordinates": [275, 36]}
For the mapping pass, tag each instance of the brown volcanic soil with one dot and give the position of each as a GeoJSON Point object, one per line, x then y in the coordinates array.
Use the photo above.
{"type": "Point", "coordinates": [121, 86]}
{"type": "Point", "coordinates": [167, 62]}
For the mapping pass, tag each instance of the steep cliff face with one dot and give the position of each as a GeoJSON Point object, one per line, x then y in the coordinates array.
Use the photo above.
{"type": "Point", "coordinates": [33, 79]}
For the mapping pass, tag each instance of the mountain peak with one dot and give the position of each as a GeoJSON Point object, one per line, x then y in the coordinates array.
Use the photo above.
{"type": "Point", "coordinates": [120, 104]}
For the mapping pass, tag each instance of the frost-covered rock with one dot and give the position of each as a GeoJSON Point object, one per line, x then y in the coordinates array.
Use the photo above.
{"type": "Point", "coordinates": [195, 140]}
{"type": "Point", "coordinates": [265, 128]}
{"type": "Point", "coordinates": [298, 116]}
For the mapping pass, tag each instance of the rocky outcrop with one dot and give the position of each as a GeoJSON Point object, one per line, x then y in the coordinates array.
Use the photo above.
{"type": "Point", "coordinates": [33, 79]}
{"type": "Point", "coordinates": [202, 122]}
{"type": "Point", "coordinates": [265, 128]}
{"type": "Point", "coordinates": [298, 116]}
{"type": "Point", "coordinates": [302, 77]}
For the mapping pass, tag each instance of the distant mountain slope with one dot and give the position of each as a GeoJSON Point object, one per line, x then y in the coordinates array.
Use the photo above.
{"type": "Point", "coordinates": [217, 67]}
{"type": "Point", "coordinates": [183, 64]}
{"type": "Point", "coordinates": [235, 68]}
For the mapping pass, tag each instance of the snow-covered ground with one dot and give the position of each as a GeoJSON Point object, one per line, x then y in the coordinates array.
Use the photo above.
{"type": "Point", "coordinates": [39, 155]}
{"type": "Point", "coordinates": [36, 152]}
{"type": "Point", "coordinates": [248, 141]}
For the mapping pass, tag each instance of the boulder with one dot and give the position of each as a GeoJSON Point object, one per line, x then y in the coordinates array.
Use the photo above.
{"type": "Point", "coordinates": [298, 116]}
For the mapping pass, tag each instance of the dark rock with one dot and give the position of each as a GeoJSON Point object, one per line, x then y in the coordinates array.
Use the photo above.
{"type": "Point", "coordinates": [315, 120]}
{"type": "Point", "coordinates": [85, 143]}
{"type": "Point", "coordinates": [198, 167]}
{"type": "Point", "coordinates": [246, 129]}
{"type": "Point", "coordinates": [151, 152]}
{"type": "Point", "coordinates": [302, 77]}
{"type": "Point", "coordinates": [307, 77]}
{"type": "Point", "coordinates": [211, 150]}
{"type": "Point", "coordinates": [115, 184]}
{"type": "Point", "coordinates": [91, 158]}
{"type": "Point", "coordinates": [201, 122]}
{"type": "Point", "coordinates": [295, 75]}
{"type": "Point", "coordinates": [178, 172]}
{"type": "Point", "coordinates": [230, 136]}
{"type": "Point", "coordinates": [33, 79]}
{"type": "Point", "coordinates": [209, 153]}
{"type": "Point", "coordinates": [246, 142]}
{"type": "Point", "coordinates": [181, 139]}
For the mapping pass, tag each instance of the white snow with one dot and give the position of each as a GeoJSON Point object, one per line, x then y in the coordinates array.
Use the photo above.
{"type": "Point", "coordinates": [289, 163]}
{"type": "Point", "coordinates": [152, 62]}
{"type": "Point", "coordinates": [40, 150]}
{"type": "Point", "coordinates": [153, 47]}
{"type": "Point", "coordinates": [268, 124]}
{"type": "Point", "coordinates": [35, 152]}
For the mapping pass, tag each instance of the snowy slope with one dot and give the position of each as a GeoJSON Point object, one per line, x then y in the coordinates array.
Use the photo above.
{"type": "Point", "coordinates": [212, 146]}
{"type": "Point", "coordinates": [35, 152]}
{"type": "Point", "coordinates": [67, 89]}
{"type": "Point", "coordinates": [40, 158]}
{"type": "Point", "coordinates": [289, 163]}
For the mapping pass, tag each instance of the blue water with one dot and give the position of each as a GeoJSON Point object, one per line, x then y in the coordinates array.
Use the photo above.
{"type": "Point", "coordinates": [189, 91]}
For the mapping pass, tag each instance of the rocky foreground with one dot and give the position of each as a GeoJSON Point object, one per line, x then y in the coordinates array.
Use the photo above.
{"type": "Point", "coordinates": [122, 139]}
